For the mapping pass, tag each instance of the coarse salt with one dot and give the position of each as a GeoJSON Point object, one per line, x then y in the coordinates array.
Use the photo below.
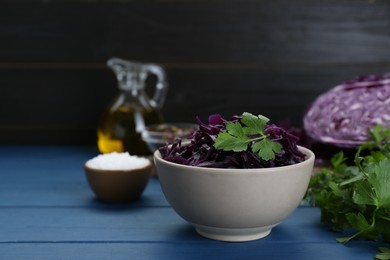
{"type": "Point", "coordinates": [117, 161]}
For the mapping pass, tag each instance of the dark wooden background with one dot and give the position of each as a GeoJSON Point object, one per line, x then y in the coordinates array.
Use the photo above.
{"type": "Point", "coordinates": [221, 56]}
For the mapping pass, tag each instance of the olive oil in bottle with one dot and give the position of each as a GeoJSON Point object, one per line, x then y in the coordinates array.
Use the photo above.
{"type": "Point", "coordinates": [124, 120]}
{"type": "Point", "coordinates": [120, 130]}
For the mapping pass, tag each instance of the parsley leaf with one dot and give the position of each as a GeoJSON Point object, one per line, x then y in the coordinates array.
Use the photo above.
{"type": "Point", "coordinates": [255, 124]}
{"type": "Point", "coordinates": [235, 129]}
{"type": "Point", "coordinates": [379, 178]}
{"type": "Point", "coordinates": [248, 135]}
{"type": "Point", "coordinates": [266, 149]}
{"type": "Point", "coordinates": [227, 142]}
{"type": "Point", "coordinates": [385, 253]}
{"type": "Point", "coordinates": [364, 194]}
{"type": "Point", "coordinates": [375, 189]}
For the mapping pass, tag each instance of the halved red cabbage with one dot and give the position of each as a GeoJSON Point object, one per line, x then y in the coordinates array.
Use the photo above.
{"type": "Point", "coordinates": [342, 115]}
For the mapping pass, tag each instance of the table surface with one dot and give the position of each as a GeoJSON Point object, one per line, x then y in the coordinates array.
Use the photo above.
{"type": "Point", "coordinates": [47, 211]}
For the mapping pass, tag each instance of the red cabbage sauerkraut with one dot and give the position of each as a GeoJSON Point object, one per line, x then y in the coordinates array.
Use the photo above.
{"type": "Point", "coordinates": [201, 152]}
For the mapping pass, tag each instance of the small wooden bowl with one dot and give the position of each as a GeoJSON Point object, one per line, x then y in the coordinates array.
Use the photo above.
{"type": "Point", "coordinates": [118, 185]}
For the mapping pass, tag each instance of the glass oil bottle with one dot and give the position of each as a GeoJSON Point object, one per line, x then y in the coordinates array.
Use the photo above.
{"type": "Point", "coordinates": [131, 110]}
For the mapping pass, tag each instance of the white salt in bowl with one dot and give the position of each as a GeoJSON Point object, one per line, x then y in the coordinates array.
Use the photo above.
{"type": "Point", "coordinates": [118, 177]}
{"type": "Point", "coordinates": [234, 204]}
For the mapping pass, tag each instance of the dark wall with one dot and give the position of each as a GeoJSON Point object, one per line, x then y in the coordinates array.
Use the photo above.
{"type": "Point", "coordinates": [268, 57]}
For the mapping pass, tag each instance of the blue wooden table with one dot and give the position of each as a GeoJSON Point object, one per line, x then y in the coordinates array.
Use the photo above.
{"type": "Point", "coordinates": [47, 211]}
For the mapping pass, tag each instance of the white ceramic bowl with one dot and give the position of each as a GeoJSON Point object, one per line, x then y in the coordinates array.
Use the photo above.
{"type": "Point", "coordinates": [234, 204]}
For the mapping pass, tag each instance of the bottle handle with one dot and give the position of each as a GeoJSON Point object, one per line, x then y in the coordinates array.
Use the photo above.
{"type": "Point", "coordinates": [161, 85]}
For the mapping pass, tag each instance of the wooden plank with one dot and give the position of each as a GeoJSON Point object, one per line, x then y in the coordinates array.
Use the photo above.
{"type": "Point", "coordinates": [57, 179]}
{"type": "Point", "coordinates": [152, 224]}
{"type": "Point", "coordinates": [41, 106]}
{"type": "Point", "coordinates": [279, 93]}
{"type": "Point", "coordinates": [63, 106]}
{"type": "Point", "coordinates": [57, 220]}
{"type": "Point", "coordinates": [69, 192]}
{"type": "Point", "coordinates": [191, 251]}
{"type": "Point", "coordinates": [260, 32]}
{"type": "Point", "coordinates": [159, 232]}
{"type": "Point", "coordinates": [269, 57]}
{"type": "Point", "coordinates": [54, 96]}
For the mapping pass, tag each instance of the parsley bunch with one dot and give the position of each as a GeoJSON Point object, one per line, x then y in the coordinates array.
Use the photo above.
{"type": "Point", "coordinates": [357, 196]}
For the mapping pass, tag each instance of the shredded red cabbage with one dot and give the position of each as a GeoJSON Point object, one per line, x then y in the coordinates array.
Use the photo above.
{"type": "Point", "coordinates": [201, 152]}
{"type": "Point", "coordinates": [343, 115]}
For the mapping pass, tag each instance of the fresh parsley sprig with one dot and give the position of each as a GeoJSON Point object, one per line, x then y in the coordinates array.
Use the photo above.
{"type": "Point", "coordinates": [250, 134]}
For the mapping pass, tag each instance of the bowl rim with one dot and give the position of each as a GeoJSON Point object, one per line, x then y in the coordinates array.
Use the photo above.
{"type": "Point", "coordinates": [310, 156]}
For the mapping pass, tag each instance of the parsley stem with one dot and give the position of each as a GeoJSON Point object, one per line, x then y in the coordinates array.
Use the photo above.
{"type": "Point", "coordinates": [262, 137]}
{"type": "Point", "coordinates": [383, 217]}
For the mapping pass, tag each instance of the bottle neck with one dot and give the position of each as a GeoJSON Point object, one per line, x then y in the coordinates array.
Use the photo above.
{"type": "Point", "coordinates": [135, 95]}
